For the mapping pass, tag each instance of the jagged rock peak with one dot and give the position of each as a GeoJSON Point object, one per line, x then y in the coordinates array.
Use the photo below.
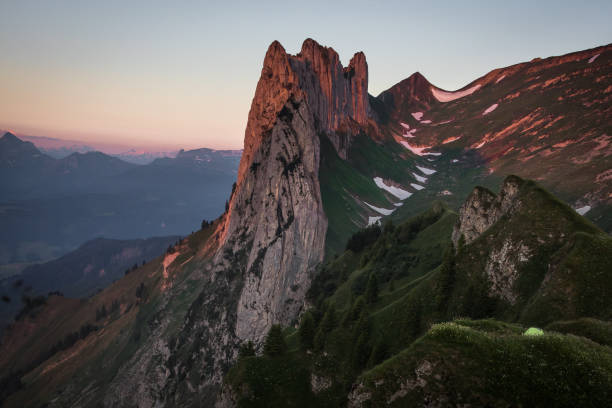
{"type": "Point", "coordinates": [409, 95]}
{"type": "Point", "coordinates": [337, 96]}
{"type": "Point", "coordinates": [483, 208]}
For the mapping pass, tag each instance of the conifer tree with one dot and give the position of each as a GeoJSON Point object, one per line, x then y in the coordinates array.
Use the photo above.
{"type": "Point", "coordinates": [246, 350]}
{"type": "Point", "coordinates": [371, 293]}
{"type": "Point", "coordinates": [275, 342]}
{"type": "Point", "coordinates": [307, 332]}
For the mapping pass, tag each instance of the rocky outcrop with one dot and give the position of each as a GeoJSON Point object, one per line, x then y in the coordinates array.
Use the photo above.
{"type": "Point", "coordinates": [482, 209]}
{"type": "Point", "coordinates": [337, 96]}
{"type": "Point", "coordinates": [280, 214]}
{"type": "Point", "coordinates": [276, 211]}
{"type": "Point", "coordinates": [413, 93]}
{"type": "Point", "coordinates": [273, 235]}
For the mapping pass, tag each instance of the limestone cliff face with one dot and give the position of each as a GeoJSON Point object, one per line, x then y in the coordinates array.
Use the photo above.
{"type": "Point", "coordinates": [278, 214]}
{"type": "Point", "coordinates": [483, 208]}
{"type": "Point", "coordinates": [337, 97]}
{"type": "Point", "coordinates": [276, 211]}
{"type": "Point", "coordinates": [273, 235]}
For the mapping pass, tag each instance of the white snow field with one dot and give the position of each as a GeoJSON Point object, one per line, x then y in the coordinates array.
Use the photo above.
{"type": "Point", "coordinates": [420, 179]}
{"type": "Point", "coordinates": [445, 96]}
{"type": "Point", "coordinates": [490, 109]}
{"type": "Point", "coordinates": [593, 58]}
{"type": "Point", "coordinates": [417, 115]}
{"type": "Point", "coordinates": [396, 191]}
{"type": "Point", "coordinates": [373, 220]}
{"type": "Point", "coordinates": [420, 151]}
{"type": "Point", "coordinates": [585, 209]}
{"type": "Point", "coordinates": [417, 186]}
{"type": "Point", "coordinates": [379, 210]}
{"type": "Point", "coordinates": [425, 170]}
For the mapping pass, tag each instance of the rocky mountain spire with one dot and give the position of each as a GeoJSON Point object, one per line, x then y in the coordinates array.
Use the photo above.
{"type": "Point", "coordinates": [336, 96]}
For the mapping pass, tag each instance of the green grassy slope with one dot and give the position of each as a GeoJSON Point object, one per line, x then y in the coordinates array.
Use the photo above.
{"type": "Point", "coordinates": [391, 348]}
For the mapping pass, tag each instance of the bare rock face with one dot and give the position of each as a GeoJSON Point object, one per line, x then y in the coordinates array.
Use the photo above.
{"type": "Point", "coordinates": [483, 208]}
{"type": "Point", "coordinates": [273, 234]}
{"type": "Point", "coordinates": [279, 210]}
{"type": "Point", "coordinates": [337, 96]}
{"type": "Point", "coordinates": [276, 211]}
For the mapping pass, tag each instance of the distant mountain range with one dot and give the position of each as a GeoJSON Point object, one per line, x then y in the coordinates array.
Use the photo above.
{"type": "Point", "coordinates": [53, 205]}
{"type": "Point", "coordinates": [60, 148]}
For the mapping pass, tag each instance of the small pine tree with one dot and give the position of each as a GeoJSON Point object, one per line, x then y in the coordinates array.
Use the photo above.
{"type": "Point", "coordinates": [371, 293]}
{"type": "Point", "coordinates": [379, 353]}
{"type": "Point", "coordinates": [362, 350]}
{"type": "Point", "coordinates": [319, 340]}
{"type": "Point", "coordinates": [447, 280]}
{"type": "Point", "coordinates": [355, 311]}
{"type": "Point", "coordinates": [246, 350]}
{"type": "Point", "coordinates": [307, 332]}
{"type": "Point", "coordinates": [275, 342]}
{"type": "Point", "coordinates": [329, 321]}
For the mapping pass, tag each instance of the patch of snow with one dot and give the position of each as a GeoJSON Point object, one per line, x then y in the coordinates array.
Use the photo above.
{"type": "Point", "coordinates": [479, 145]}
{"type": "Point", "coordinates": [490, 109]}
{"type": "Point", "coordinates": [586, 208]}
{"type": "Point", "coordinates": [417, 186]}
{"type": "Point", "coordinates": [420, 179]}
{"type": "Point", "coordinates": [445, 96]}
{"type": "Point", "coordinates": [379, 210]}
{"type": "Point", "coordinates": [417, 115]}
{"type": "Point", "coordinates": [426, 121]}
{"type": "Point", "coordinates": [398, 192]}
{"type": "Point", "coordinates": [454, 161]}
{"type": "Point", "coordinates": [405, 126]}
{"type": "Point", "coordinates": [425, 170]}
{"type": "Point", "coordinates": [443, 123]}
{"type": "Point", "coordinates": [398, 204]}
{"type": "Point", "coordinates": [451, 139]}
{"type": "Point", "coordinates": [593, 58]}
{"type": "Point", "coordinates": [420, 151]}
{"type": "Point", "coordinates": [409, 133]}
{"type": "Point", "coordinates": [500, 78]}
{"type": "Point", "coordinates": [373, 220]}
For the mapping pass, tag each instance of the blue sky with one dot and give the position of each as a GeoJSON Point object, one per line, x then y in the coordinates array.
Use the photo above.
{"type": "Point", "coordinates": [183, 73]}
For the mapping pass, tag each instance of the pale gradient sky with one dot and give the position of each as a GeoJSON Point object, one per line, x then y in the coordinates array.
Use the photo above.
{"type": "Point", "coordinates": [183, 73]}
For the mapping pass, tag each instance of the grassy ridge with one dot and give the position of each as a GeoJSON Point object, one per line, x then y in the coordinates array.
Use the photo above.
{"type": "Point", "coordinates": [394, 348]}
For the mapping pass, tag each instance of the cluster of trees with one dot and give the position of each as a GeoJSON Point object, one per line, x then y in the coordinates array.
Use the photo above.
{"type": "Point", "coordinates": [29, 305]}
{"type": "Point", "coordinates": [363, 238]}
{"type": "Point", "coordinates": [142, 292]}
{"type": "Point", "coordinates": [134, 267]}
{"type": "Point", "coordinates": [102, 313]}
{"type": "Point", "coordinates": [353, 326]}
{"type": "Point", "coordinates": [172, 248]}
